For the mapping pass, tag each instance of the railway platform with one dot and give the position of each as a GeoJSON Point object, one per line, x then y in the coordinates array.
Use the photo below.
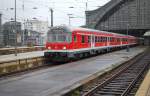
{"type": "Point", "coordinates": [60, 79]}
{"type": "Point", "coordinates": [12, 57]}
{"type": "Point", "coordinates": [23, 49]}
{"type": "Point", "coordinates": [23, 61]}
{"type": "Point", "coordinates": [144, 89]}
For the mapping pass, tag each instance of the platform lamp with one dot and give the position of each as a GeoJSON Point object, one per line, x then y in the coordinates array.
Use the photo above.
{"type": "Point", "coordinates": [15, 28]}
{"type": "Point", "coordinates": [127, 38]}
{"type": "Point", "coordinates": [70, 16]}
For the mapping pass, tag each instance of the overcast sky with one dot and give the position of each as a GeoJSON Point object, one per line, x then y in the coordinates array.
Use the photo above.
{"type": "Point", "coordinates": [28, 9]}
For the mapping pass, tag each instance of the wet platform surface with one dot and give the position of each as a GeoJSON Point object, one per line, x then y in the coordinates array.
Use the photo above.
{"type": "Point", "coordinates": [56, 80]}
{"type": "Point", "coordinates": [144, 89]}
{"type": "Point", "coordinates": [11, 57]}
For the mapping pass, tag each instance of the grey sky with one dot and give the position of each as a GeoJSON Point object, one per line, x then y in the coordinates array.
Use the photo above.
{"type": "Point", "coordinates": [60, 7]}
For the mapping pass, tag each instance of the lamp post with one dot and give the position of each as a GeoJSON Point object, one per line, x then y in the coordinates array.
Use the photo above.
{"type": "Point", "coordinates": [127, 38]}
{"type": "Point", "coordinates": [15, 29]}
{"type": "Point", "coordinates": [51, 10]}
{"type": "Point", "coordinates": [70, 16]}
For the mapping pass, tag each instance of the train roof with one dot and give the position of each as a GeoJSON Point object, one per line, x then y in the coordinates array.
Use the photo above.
{"type": "Point", "coordinates": [71, 29]}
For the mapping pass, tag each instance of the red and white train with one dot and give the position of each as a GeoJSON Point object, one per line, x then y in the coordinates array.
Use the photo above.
{"type": "Point", "coordinates": [65, 43]}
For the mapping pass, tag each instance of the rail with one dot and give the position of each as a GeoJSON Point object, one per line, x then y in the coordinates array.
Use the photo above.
{"type": "Point", "coordinates": [122, 82]}
{"type": "Point", "coordinates": [121, 76]}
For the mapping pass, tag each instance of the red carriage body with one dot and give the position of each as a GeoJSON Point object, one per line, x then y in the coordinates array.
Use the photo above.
{"type": "Point", "coordinates": [73, 42]}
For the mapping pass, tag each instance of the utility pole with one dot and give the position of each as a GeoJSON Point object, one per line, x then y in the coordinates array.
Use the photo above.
{"type": "Point", "coordinates": [86, 4]}
{"type": "Point", "coordinates": [128, 37]}
{"type": "Point", "coordinates": [15, 29]}
{"type": "Point", "coordinates": [51, 17]}
{"type": "Point", "coordinates": [128, 29]}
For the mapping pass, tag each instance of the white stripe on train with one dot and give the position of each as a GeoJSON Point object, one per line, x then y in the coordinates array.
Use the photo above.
{"type": "Point", "coordinates": [86, 49]}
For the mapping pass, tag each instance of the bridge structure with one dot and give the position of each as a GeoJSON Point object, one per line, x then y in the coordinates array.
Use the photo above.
{"type": "Point", "coordinates": [121, 16]}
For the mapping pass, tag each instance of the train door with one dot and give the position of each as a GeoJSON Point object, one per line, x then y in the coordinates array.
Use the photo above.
{"type": "Point", "coordinates": [120, 41]}
{"type": "Point", "coordinates": [108, 41]}
{"type": "Point", "coordinates": [92, 41]}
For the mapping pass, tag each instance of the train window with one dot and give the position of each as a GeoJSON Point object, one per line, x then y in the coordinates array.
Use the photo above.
{"type": "Point", "coordinates": [111, 39]}
{"type": "Point", "coordinates": [101, 39]}
{"type": "Point", "coordinates": [75, 38]}
{"type": "Point", "coordinates": [83, 39]}
{"type": "Point", "coordinates": [96, 38]}
{"type": "Point", "coordinates": [89, 39]}
{"type": "Point", "coordinates": [105, 39]}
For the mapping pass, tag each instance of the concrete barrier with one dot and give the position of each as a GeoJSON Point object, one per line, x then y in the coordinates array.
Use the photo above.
{"type": "Point", "coordinates": [20, 65]}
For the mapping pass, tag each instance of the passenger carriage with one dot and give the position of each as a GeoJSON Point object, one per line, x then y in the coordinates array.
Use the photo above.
{"type": "Point", "coordinates": [65, 43]}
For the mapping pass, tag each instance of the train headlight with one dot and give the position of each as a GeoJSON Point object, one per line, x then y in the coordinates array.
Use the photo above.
{"type": "Point", "coordinates": [49, 48]}
{"type": "Point", "coordinates": [64, 47]}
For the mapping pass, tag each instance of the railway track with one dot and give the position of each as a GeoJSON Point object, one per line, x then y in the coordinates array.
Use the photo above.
{"type": "Point", "coordinates": [123, 79]}
{"type": "Point", "coordinates": [123, 83]}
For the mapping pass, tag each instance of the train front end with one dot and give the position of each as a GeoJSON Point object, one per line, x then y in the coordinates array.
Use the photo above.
{"type": "Point", "coordinates": [59, 42]}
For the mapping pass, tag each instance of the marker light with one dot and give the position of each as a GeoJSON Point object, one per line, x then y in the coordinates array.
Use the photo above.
{"type": "Point", "coordinates": [64, 47]}
{"type": "Point", "coordinates": [49, 48]}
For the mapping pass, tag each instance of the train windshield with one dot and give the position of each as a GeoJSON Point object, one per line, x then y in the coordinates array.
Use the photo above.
{"type": "Point", "coordinates": [59, 35]}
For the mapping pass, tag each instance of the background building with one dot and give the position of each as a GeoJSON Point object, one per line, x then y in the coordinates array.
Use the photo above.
{"type": "Point", "coordinates": [9, 33]}
{"type": "Point", "coordinates": [36, 25]}
{"type": "Point", "coordinates": [37, 30]}
{"type": "Point", "coordinates": [33, 38]}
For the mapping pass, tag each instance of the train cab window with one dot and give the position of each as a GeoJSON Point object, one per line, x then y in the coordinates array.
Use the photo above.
{"type": "Point", "coordinates": [75, 38]}
{"type": "Point", "coordinates": [61, 38]}
{"type": "Point", "coordinates": [83, 39]}
{"type": "Point", "coordinates": [59, 35]}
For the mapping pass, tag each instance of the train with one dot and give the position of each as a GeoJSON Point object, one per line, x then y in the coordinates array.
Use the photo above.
{"type": "Point", "coordinates": [67, 43]}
